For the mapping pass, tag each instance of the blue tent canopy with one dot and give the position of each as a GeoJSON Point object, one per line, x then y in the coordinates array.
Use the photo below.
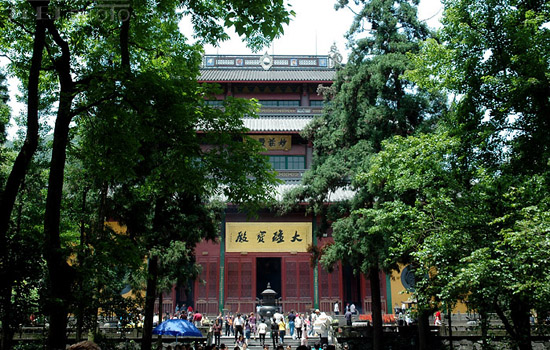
{"type": "Point", "coordinates": [178, 328]}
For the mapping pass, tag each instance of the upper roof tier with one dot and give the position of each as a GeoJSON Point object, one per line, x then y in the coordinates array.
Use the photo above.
{"type": "Point", "coordinates": [266, 68]}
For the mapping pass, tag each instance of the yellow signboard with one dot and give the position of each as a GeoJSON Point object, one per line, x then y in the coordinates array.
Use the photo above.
{"type": "Point", "coordinates": [274, 142]}
{"type": "Point", "coordinates": [268, 236]}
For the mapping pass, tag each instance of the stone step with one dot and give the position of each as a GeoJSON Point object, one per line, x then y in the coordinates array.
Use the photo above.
{"type": "Point", "coordinates": [255, 344]}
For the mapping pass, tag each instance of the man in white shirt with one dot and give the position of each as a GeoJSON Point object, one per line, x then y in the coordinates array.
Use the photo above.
{"type": "Point", "coordinates": [336, 308]}
{"type": "Point", "coordinates": [278, 316]}
{"type": "Point", "coordinates": [238, 323]}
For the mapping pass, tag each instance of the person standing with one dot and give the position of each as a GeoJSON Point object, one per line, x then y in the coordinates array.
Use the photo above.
{"type": "Point", "coordinates": [322, 324]}
{"type": "Point", "coordinates": [437, 321]}
{"type": "Point", "coordinates": [298, 323]}
{"type": "Point", "coordinates": [282, 330]}
{"type": "Point", "coordinates": [238, 324]}
{"type": "Point", "coordinates": [309, 325]}
{"type": "Point", "coordinates": [227, 326]}
{"type": "Point", "coordinates": [247, 330]}
{"type": "Point", "coordinates": [291, 323]}
{"type": "Point", "coordinates": [197, 319]}
{"type": "Point", "coordinates": [253, 324]}
{"type": "Point", "coordinates": [217, 330]}
{"type": "Point", "coordinates": [336, 308]}
{"type": "Point", "coordinates": [262, 330]}
{"type": "Point", "coordinates": [352, 309]}
{"type": "Point", "coordinates": [274, 332]}
{"type": "Point", "coordinates": [348, 316]}
{"type": "Point", "coordinates": [231, 328]}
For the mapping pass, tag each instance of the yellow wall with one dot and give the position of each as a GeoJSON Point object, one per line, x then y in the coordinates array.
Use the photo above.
{"type": "Point", "coordinates": [115, 226]}
{"type": "Point", "coordinates": [399, 294]}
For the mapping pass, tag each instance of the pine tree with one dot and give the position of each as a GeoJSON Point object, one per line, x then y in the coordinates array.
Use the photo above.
{"type": "Point", "coordinates": [372, 102]}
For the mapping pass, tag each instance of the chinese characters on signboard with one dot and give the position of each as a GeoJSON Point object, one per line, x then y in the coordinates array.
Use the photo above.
{"type": "Point", "coordinates": [268, 236]}
{"type": "Point", "coordinates": [274, 142]}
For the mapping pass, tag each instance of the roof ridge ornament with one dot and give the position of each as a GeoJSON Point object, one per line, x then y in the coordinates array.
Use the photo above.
{"type": "Point", "coordinates": [266, 61]}
{"type": "Point", "coordinates": [335, 56]}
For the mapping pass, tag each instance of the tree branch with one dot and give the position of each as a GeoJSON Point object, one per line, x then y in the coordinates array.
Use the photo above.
{"type": "Point", "coordinates": [504, 320]}
{"type": "Point", "coordinates": [124, 40]}
{"type": "Point", "coordinates": [94, 104]}
{"type": "Point", "coordinates": [22, 26]}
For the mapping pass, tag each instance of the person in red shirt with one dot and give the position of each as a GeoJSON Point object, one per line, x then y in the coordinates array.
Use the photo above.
{"type": "Point", "coordinates": [437, 320]}
{"type": "Point", "coordinates": [197, 319]}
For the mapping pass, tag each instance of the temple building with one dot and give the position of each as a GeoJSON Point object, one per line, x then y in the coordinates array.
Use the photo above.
{"type": "Point", "coordinates": [274, 249]}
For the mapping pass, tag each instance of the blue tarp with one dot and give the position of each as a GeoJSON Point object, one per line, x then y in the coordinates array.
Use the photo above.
{"type": "Point", "coordinates": [178, 328]}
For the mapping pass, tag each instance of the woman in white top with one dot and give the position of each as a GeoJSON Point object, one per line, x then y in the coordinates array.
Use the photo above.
{"type": "Point", "coordinates": [262, 330]}
{"type": "Point", "coordinates": [298, 323]}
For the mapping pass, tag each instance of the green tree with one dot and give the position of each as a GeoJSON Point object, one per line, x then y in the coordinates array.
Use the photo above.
{"type": "Point", "coordinates": [451, 230]}
{"type": "Point", "coordinates": [372, 101]}
{"type": "Point", "coordinates": [14, 177]}
{"type": "Point", "coordinates": [161, 170]}
{"type": "Point", "coordinates": [89, 51]}
{"type": "Point", "coordinates": [23, 262]}
{"type": "Point", "coordinates": [493, 56]}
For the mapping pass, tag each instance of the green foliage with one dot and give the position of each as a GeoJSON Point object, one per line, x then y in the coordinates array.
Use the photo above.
{"type": "Point", "coordinates": [257, 22]}
{"type": "Point", "coordinates": [373, 101]}
{"type": "Point", "coordinates": [493, 57]}
{"type": "Point", "coordinates": [24, 242]}
{"type": "Point", "coordinates": [131, 83]}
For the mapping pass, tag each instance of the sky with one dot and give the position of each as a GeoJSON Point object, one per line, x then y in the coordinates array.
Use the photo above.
{"type": "Point", "coordinates": [314, 29]}
{"type": "Point", "coordinates": [316, 26]}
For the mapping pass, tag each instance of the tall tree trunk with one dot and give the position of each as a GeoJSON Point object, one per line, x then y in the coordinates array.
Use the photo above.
{"type": "Point", "coordinates": [81, 306]}
{"type": "Point", "coordinates": [15, 179]}
{"type": "Point", "coordinates": [423, 328]}
{"type": "Point", "coordinates": [520, 330]}
{"type": "Point", "coordinates": [159, 337]}
{"type": "Point", "coordinates": [152, 275]}
{"type": "Point", "coordinates": [152, 280]}
{"type": "Point", "coordinates": [520, 312]}
{"type": "Point", "coordinates": [377, 334]}
{"type": "Point", "coordinates": [450, 313]}
{"type": "Point", "coordinates": [60, 274]}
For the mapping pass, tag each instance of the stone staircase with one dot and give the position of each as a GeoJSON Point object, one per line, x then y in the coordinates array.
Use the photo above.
{"type": "Point", "coordinates": [255, 344]}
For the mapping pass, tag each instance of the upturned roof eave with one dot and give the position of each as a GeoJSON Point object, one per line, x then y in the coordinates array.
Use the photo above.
{"type": "Point", "coordinates": [267, 81]}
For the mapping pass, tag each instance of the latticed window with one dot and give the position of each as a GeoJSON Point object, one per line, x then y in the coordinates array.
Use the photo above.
{"type": "Point", "coordinates": [296, 162]}
{"type": "Point", "coordinates": [208, 279]}
{"type": "Point", "coordinates": [305, 284]}
{"type": "Point", "coordinates": [246, 280]}
{"type": "Point", "coordinates": [232, 280]}
{"type": "Point", "coordinates": [288, 162]}
{"type": "Point", "coordinates": [329, 283]}
{"type": "Point", "coordinates": [239, 278]}
{"type": "Point", "coordinates": [279, 103]}
{"type": "Point", "coordinates": [202, 293]}
{"type": "Point", "coordinates": [278, 162]}
{"type": "Point", "coordinates": [212, 280]}
{"type": "Point", "coordinates": [214, 103]}
{"type": "Point", "coordinates": [290, 283]}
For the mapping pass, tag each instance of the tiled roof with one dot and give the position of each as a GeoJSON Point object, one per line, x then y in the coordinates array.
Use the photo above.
{"type": "Point", "coordinates": [339, 195]}
{"type": "Point", "coordinates": [277, 123]}
{"type": "Point", "coordinates": [246, 75]}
